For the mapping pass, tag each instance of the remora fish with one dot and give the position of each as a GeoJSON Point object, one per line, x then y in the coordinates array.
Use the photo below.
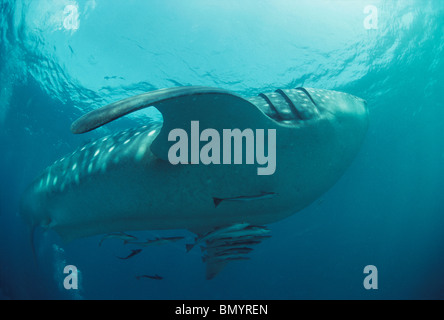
{"type": "Point", "coordinates": [132, 254]}
{"type": "Point", "coordinates": [262, 195]}
{"type": "Point", "coordinates": [229, 244]}
{"type": "Point", "coordinates": [226, 252]}
{"type": "Point", "coordinates": [155, 242]}
{"type": "Point", "coordinates": [217, 233]}
{"type": "Point", "coordinates": [118, 235]}
{"type": "Point", "coordinates": [244, 240]}
{"type": "Point", "coordinates": [247, 233]}
{"type": "Point", "coordinates": [224, 258]}
{"type": "Point", "coordinates": [155, 277]}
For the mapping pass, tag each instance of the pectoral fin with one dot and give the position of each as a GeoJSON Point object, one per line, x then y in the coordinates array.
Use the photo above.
{"type": "Point", "coordinates": [212, 107]}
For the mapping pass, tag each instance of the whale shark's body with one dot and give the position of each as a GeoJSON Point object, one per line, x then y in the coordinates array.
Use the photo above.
{"type": "Point", "coordinates": [125, 182]}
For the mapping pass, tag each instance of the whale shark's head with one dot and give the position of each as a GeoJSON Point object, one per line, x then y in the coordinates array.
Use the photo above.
{"type": "Point", "coordinates": [316, 119]}
{"type": "Point", "coordinates": [347, 113]}
{"type": "Point", "coordinates": [319, 132]}
{"type": "Point", "coordinates": [304, 107]}
{"type": "Point", "coordinates": [346, 108]}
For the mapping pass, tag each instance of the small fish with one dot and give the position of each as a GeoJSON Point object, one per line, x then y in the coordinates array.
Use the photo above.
{"type": "Point", "coordinates": [262, 195]}
{"type": "Point", "coordinates": [230, 251]}
{"type": "Point", "coordinates": [244, 240]}
{"type": "Point", "coordinates": [229, 257]}
{"type": "Point", "coordinates": [132, 254]}
{"type": "Point", "coordinates": [229, 244]}
{"type": "Point", "coordinates": [225, 259]}
{"type": "Point", "coordinates": [251, 232]}
{"type": "Point", "coordinates": [217, 233]}
{"type": "Point", "coordinates": [118, 235]}
{"type": "Point", "coordinates": [154, 242]}
{"type": "Point", "coordinates": [155, 277]}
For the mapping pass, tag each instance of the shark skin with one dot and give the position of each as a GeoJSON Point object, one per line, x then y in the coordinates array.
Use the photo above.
{"type": "Point", "coordinates": [124, 181]}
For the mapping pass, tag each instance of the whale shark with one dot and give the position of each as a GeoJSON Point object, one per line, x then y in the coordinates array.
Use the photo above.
{"type": "Point", "coordinates": [124, 182]}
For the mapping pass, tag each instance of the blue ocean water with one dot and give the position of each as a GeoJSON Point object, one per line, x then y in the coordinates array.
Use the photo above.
{"type": "Point", "coordinates": [60, 59]}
